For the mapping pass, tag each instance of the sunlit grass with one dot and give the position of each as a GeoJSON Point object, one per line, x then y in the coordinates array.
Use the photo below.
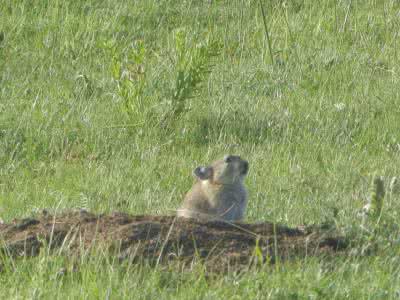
{"type": "Point", "coordinates": [316, 126]}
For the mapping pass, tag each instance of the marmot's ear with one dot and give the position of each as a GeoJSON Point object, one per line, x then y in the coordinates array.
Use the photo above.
{"type": "Point", "coordinates": [203, 173]}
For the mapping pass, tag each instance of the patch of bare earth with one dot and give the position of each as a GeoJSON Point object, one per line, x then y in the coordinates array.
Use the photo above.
{"type": "Point", "coordinates": [163, 239]}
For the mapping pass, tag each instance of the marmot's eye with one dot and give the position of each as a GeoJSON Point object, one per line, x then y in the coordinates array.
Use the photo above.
{"type": "Point", "coordinates": [228, 158]}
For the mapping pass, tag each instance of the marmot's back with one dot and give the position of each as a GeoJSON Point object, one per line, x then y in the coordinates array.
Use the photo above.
{"type": "Point", "coordinates": [219, 192]}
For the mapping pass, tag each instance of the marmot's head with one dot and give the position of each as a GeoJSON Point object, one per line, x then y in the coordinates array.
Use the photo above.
{"type": "Point", "coordinates": [231, 169]}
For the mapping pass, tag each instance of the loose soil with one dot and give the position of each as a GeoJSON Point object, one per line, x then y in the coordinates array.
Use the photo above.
{"type": "Point", "coordinates": [163, 239]}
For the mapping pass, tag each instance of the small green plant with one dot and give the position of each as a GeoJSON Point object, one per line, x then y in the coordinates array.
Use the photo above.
{"type": "Point", "coordinates": [377, 229]}
{"type": "Point", "coordinates": [257, 254]}
{"type": "Point", "coordinates": [373, 209]}
{"type": "Point", "coordinates": [129, 73]}
{"type": "Point", "coordinates": [192, 68]}
{"type": "Point", "coordinates": [377, 197]}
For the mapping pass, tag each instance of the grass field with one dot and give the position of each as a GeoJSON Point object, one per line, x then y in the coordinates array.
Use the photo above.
{"type": "Point", "coordinates": [109, 105]}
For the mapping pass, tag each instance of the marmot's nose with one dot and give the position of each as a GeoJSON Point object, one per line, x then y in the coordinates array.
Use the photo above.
{"type": "Point", "coordinates": [245, 167]}
{"type": "Point", "coordinates": [228, 158]}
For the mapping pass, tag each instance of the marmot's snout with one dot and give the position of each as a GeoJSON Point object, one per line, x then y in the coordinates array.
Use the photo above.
{"type": "Point", "coordinates": [241, 164]}
{"type": "Point", "coordinates": [245, 167]}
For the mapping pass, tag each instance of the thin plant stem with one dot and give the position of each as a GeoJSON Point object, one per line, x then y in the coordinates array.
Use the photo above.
{"type": "Point", "coordinates": [267, 33]}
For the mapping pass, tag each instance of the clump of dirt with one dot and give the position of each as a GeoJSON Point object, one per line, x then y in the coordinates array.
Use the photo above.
{"type": "Point", "coordinates": [162, 239]}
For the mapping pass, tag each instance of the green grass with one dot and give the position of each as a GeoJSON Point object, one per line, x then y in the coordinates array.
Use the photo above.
{"type": "Point", "coordinates": [316, 126]}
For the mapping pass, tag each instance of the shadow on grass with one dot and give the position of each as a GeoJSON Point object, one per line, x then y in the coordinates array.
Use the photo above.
{"type": "Point", "coordinates": [256, 131]}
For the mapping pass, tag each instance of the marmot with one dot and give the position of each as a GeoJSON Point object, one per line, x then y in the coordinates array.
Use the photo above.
{"type": "Point", "coordinates": [219, 192]}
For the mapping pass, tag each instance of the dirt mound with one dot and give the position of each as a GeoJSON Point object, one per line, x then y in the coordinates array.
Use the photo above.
{"type": "Point", "coordinates": [164, 238]}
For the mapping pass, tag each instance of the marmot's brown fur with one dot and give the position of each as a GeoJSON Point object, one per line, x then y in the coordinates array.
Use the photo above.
{"type": "Point", "coordinates": [219, 192]}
